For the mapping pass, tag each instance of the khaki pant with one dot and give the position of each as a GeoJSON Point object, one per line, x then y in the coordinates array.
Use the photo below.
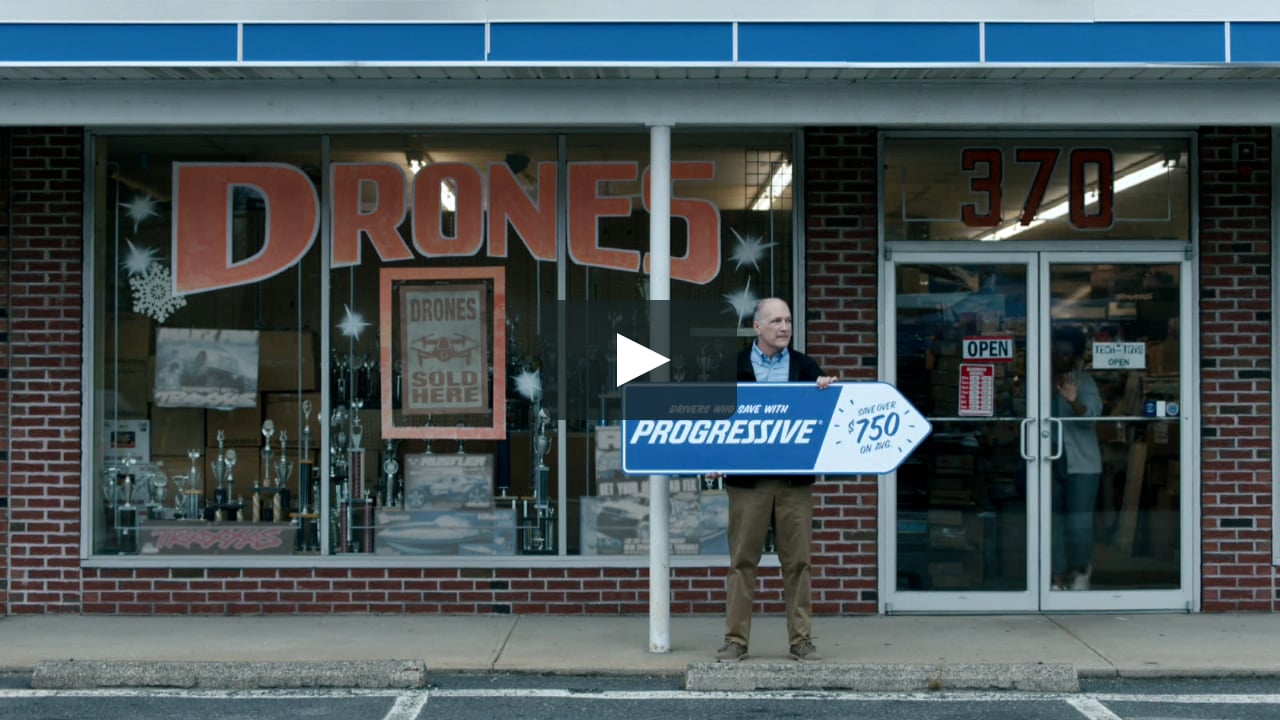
{"type": "Point", "coordinates": [749, 512]}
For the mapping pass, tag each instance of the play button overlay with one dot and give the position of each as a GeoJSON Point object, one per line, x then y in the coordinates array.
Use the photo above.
{"type": "Point", "coordinates": [635, 359]}
{"type": "Point", "coordinates": [593, 354]}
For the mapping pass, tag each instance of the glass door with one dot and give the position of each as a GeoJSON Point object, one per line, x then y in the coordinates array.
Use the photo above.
{"type": "Point", "coordinates": [1114, 425]}
{"type": "Point", "coordinates": [1053, 479]}
{"type": "Point", "coordinates": [960, 519]}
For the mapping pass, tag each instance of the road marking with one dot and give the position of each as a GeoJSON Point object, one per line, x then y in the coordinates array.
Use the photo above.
{"type": "Point", "coordinates": [1092, 709]}
{"type": "Point", "coordinates": [200, 694]}
{"type": "Point", "coordinates": [407, 698]}
{"type": "Point", "coordinates": [1215, 699]}
{"type": "Point", "coordinates": [408, 706]}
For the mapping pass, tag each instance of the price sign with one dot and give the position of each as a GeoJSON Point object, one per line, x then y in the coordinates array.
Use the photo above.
{"type": "Point", "coordinates": [780, 429]}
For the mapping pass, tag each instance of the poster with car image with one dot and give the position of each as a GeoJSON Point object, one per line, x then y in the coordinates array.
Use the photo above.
{"type": "Point", "coordinates": [206, 368]}
{"type": "Point", "coordinates": [448, 481]}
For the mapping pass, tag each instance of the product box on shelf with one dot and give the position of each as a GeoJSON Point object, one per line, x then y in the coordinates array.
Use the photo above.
{"type": "Point", "coordinates": [239, 426]}
{"type": "Point", "coordinates": [286, 361]}
{"type": "Point", "coordinates": [445, 532]}
{"type": "Point", "coordinates": [448, 481]}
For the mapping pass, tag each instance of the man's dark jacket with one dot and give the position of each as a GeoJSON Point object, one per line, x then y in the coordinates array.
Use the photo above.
{"type": "Point", "coordinates": [802, 369]}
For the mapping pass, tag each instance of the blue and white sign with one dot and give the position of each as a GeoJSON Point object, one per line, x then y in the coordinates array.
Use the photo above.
{"type": "Point", "coordinates": [780, 429]}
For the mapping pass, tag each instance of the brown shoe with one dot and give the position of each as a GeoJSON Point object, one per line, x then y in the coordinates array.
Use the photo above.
{"type": "Point", "coordinates": [805, 652]}
{"type": "Point", "coordinates": [731, 652]}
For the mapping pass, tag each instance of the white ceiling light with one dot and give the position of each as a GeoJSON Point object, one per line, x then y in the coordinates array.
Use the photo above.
{"type": "Point", "coordinates": [778, 183]}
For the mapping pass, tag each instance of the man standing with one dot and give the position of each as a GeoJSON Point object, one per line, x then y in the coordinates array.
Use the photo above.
{"type": "Point", "coordinates": [754, 499]}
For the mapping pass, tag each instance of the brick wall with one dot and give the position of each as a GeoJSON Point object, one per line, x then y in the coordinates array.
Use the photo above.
{"type": "Point", "coordinates": [1235, 358]}
{"type": "Point", "coordinates": [609, 591]}
{"type": "Point", "coordinates": [45, 276]}
{"type": "Point", "coordinates": [4, 373]}
{"type": "Point", "coordinates": [841, 322]}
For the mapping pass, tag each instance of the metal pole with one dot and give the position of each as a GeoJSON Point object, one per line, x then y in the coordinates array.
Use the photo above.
{"type": "Point", "coordinates": [659, 340]}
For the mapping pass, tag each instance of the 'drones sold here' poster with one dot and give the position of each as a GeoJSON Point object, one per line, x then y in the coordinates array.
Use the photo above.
{"type": "Point", "coordinates": [444, 349]}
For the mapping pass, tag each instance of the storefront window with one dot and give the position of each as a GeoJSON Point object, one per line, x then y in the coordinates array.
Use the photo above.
{"type": "Point", "coordinates": [202, 323]}
{"type": "Point", "coordinates": [1036, 188]}
{"type": "Point", "coordinates": [461, 402]}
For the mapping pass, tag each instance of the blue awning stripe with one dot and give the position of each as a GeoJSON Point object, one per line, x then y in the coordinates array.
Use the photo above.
{"type": "Point", "coordinates": [643, 43]}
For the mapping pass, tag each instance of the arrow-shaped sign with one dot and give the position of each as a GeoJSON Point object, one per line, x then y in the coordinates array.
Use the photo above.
{"type": "Point", "coordinates": [635, 359]}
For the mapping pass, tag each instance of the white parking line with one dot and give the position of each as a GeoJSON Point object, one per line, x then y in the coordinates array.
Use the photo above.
{"type": "Point", "coordinates": [1215, 699]}
{"type": "Point", "coordinates": [1092, 709]}
{"type": "Point", "coordinates": [408, 706]}
{"type": "Point", "coordinates": [409, 702]}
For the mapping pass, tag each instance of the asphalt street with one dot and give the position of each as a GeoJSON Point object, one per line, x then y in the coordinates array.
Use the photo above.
{"type": "Point", "coordinates": [473, 697]}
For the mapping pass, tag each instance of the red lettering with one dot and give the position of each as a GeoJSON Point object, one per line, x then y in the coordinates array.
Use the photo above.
{"type": "Point", "coordinates": [533, 220]}
{"type": "Point", "coordinates": [587, 206]}
{"type": "Point", "coordinates": [1101, 159]}
{"type": "Point", "coordinates": [700, 263]}
{"type": "Point", "coordinates": [202, 235]}
{"type": "Point", "coordinates": [989, 184]}
{"type": "Point", "coordinates": [381, 224]}
{"type": "Point", "coordinates": [428, 210]}
{"type": "Point", "coordinates": [1046, 159]}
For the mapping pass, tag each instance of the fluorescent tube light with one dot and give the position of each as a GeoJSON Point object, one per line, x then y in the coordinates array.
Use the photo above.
{"type": "Point", "coordinates": [778, 182]}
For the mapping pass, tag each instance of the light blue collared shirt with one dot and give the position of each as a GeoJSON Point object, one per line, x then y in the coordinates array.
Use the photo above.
{"type": "Point", "coordinates": [770, 369]}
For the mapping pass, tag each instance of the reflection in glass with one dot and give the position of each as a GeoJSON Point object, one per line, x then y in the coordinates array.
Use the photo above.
{"type": "Point", "coordinates": [1120, 530]}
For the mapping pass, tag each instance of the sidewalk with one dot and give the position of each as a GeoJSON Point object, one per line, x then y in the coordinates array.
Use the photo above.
{"type": "Point", "coordinates": [1094, 645]}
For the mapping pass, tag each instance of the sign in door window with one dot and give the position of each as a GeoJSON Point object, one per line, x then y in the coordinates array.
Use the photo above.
{"type": "Point", "coordinates": [977, 390]}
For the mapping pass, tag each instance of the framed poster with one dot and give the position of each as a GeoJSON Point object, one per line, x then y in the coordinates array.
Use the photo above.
{"type": "Point", "coordinates": [206, 368]}
{"type": "Point", "coordinates": [446, 328]}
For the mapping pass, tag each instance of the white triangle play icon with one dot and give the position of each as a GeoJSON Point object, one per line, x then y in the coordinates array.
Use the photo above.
{"type": "Point", "coordinates": [635, 359]}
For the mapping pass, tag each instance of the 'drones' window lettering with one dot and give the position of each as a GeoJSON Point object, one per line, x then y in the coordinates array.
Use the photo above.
{"type": "Point", "coordinates": [453, 399]}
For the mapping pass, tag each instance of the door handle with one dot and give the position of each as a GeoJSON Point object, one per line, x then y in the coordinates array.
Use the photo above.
{"type": "Point", "coordinates": [1022, 439]}
{"type": "Point", "coordinates": [1057, 424]}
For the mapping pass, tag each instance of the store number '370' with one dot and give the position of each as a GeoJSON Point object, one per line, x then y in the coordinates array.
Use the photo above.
{"type": "Point", "coordinates": [990, 161]}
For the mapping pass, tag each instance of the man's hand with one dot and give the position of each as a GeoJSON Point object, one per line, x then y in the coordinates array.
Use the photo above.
{"type": "Point", "coordinates": [825, 381]}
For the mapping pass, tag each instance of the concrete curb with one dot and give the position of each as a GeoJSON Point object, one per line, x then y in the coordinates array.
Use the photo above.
{"type": "Point", "coordinates": [366, 674]}
{"type": "Point", "coordinates": [747, 676]}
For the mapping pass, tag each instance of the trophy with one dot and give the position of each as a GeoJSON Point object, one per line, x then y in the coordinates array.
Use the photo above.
{"type": "Point", "coordinates": [127, 514]}
{"type": "Point", "coordinates": [268, 429]}
{"type": "Point", "coordinates": [229, 462]}
{"type": "Point", "coordinates": [705, 364]}
{"type": "Point", "coordinates": [220, 471]}
{"type": "Point", "coordinates": [284, 470]}
{"type": "Point", "coordinates": [540, 527]}
{"type": "Point", "coordinates": [259, 512]}
{"type": "Point", "coordinates": [356, 468]}
{"type": "Point", "coordinates": [390, 467]}
{"type": "Point", "coordinates": [157, 481]}
{"type": "Point", "coordinates": [306, 431]}
{"type": "Point", "coordinates": [193, 476]}
{"type": "Point", "coordinates": [179, 496]}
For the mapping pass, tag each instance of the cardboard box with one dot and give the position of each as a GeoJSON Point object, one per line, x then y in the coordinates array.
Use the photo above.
{"type": "Point", "coordinates": [129, 336]}
{"type": "Point", "coordinates": [240, 427]}
{"type": "Point", "coordinates": [286, 361]}
{"type": "Point", "coordinates": [174, 431]}
{"type": "Point", "coordinates": [285, 410]}
{"type": "Point", "coordinates": [1162, 358]}
{"type": "Point", "coordinates": [127, 387]}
